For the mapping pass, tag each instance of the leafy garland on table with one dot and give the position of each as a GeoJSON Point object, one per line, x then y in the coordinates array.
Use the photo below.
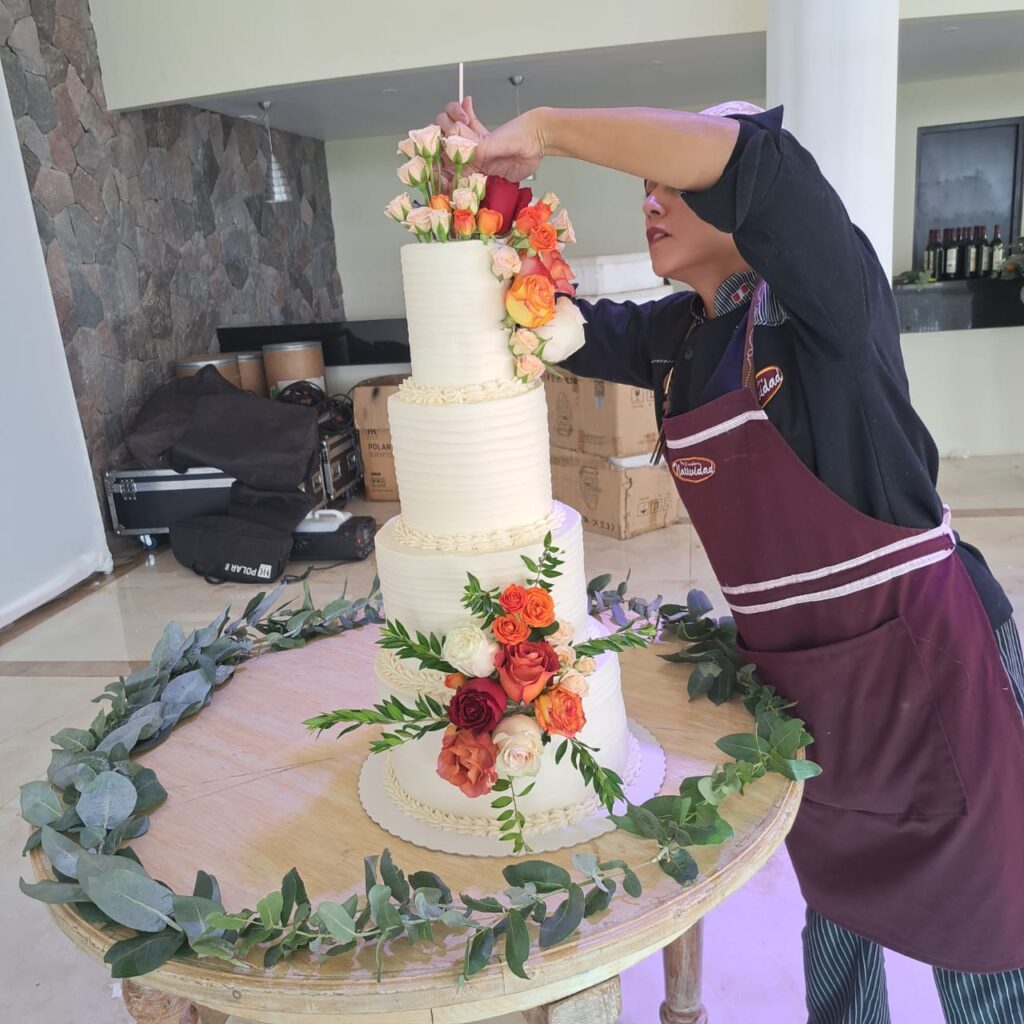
{"type": "Point", "coordinates": [518, 680]}
{"type": "Point", "coordinates": [95, 799]}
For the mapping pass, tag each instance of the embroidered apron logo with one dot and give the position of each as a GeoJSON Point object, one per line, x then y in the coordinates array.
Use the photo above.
{"type": "Point", "coordinates": [694, 469]}
{"type": "Point", "coordinates": [768, 382]}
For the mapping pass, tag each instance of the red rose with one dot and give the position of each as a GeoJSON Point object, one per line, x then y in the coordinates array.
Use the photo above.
{"type": "Point", "coordinates": [477, 705]}
{"type": "Point", "coordinates": [525, 669]}
{"type": "Point", "coordinates": [505, 197]}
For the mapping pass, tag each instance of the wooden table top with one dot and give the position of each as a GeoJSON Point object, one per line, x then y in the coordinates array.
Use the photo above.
{"type": "Point", "coordinates": [252, 794]}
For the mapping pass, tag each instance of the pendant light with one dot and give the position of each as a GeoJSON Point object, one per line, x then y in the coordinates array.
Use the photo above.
{"type": "Point", "coordinates": [515, 81]}
{"type": "Point", "coordinates": [275, 185]}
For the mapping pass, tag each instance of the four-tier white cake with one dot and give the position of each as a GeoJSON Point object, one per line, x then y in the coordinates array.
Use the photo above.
{"type": "Point", "coordinates": [471, 456]}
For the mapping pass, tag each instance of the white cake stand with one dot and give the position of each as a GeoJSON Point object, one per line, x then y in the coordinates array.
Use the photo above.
{"type": "Point", "coordinates": [646, 781]}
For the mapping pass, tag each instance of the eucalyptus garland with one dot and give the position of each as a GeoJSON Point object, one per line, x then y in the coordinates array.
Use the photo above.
{"type": "Point", "coordinates": [95, 799]}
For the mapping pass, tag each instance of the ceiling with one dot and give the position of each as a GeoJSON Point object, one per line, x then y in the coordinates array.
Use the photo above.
{"type": "Point", "coordinates": [681, 73]}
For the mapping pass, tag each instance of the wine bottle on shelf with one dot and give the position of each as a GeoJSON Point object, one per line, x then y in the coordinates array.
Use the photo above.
{"type": "Point", "coordinates": [998, 253]}
{"type": "Point", "coordinates": [963, 244]}
{"type": "Point", "coordinates": [971, 253]}
{"type": "Point", "coordinates": [928, 256]}
{"type": "Point", "coordinates": [984, 253]}
{"type": "Point", "coordinates": [949, 255]}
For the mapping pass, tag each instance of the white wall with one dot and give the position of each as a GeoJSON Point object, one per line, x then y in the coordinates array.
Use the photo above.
{"type": "Point", "coordinates": [51, 534]}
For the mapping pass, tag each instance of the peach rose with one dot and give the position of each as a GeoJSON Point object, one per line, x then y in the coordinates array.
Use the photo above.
{"type": "Point", "coordinates": [427, 140]}
{"type": "Point", "coordinates": [440, 224]}
{"type": "Point", "coordinates": [505, 262]}
{"type": "Point", "coordinates": [399, 207]}
{"type": "Point", "coordinates": [586, 665]}
{"type": "Point", "coordinates": [454, 680]}
{"type": "Point", "coordinates": [477, 183]}
{"type": "Point", "coordinates": [488, 221]}
{"type": "Point", "coordinates": [550, 200]}
{"type": "Point", "coordinates": [468, 761]}
{"type": "Point", "coordinates": [520, 746]}
{"type": "Point", "coordinates": [560, 711]}
{"type": "Point", "coordinates": [530, 300]}
{"type": "Point", "coordinates": [513, 598]}
{"type": "Point", "coordinates": [566, 656]}
{"type": "Point", "coordinates": [561, 223]}
{"type": "Point", "coordinates": [463, 223]}
{"type": "Point", "coordinates": [464, 199]}
{"type": "Point", "coordinates": [529, 368]}
{"type": "Point", "coordinates": [562, 635]}
{"type": "Point", "coordinates": [414, 173]}
{"type": "Point", "coordinates": [543, 238]}
{"type": "Point", "coordinates": [574, 682]}
{"type": "Point", "coordinates": [407, 148]}
{"type": "Point", "coordinates": [525, 669]}
{"type": "Point", "coordinates": [540, 609]}
{"type": "Point", "coordinates": [509, 629]}
{"type": "Point", "coordinates": [524, 342]}
{"type": "Point", "coordinates": [418, 221]}
{"type": "Point", "coordinates": [459, 150]}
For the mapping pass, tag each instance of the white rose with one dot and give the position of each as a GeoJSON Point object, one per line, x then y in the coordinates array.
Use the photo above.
{"type": "Point", "coordinates": [551, 201]}
{"type": "Point", "coordinates": [561, 636]}
{"type": "Point", "coordinates": [529, 368]}
{"type": "Point", "coordinates": [478, 183]}
{"type": "Point", "coordinates": [418, 220]}
{"type": "Point", "coordinates": [407, 148]}
{"type": "Point", "coordinates": [574, 683]}
{"type": "Point", "coordinates": [399, 207]}
{"type": "Point", "coordinates": [561, 223]}
{"type": "Point", "coordinates": [469, 650]}
{"type": "Point", "coordinates": [459, 150]}
{"type": "Point", "coordinates": [465, 199]}
{"type": "Point", "coordinates": [414, 173]}
{"type": "Point", "coordinates": [566, 656]}
{"type": "Point", "coordinates": [563, 333]}
{"type": "Point", "coordinates": [427, 140]}
{"type": "Point", "coordinates": [520, 747]}
{"type": "Point", "coordinates": [524, 342]}
{"type": "Point", "coordinates": [586, 665]}
{"type": "Point", "coordinates": [440, 224]}
{"type": "Point", "coordinates": [505, 262]}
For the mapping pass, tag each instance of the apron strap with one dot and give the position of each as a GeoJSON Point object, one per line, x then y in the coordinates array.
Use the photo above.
{"type": "Point", "coordinates": [749, 375]}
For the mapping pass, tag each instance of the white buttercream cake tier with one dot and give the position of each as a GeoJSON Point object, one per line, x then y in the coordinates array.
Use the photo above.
{"type": "Point", "coordinates": [470, 468]}
{"type": "Point", "coordinates": [454, 306]}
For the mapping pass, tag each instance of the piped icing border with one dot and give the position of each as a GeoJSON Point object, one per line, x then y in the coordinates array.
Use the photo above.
{"type": "Point", "coordinates": [453, 394]}
{"type": "Point", "coordinates": [485, 540]}
{"type": "Point", "coordinates": [474, 825]}
{"type": "Point", "coordinates": [403, 676]}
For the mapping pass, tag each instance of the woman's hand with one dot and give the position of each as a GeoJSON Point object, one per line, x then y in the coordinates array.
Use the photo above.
{"type": "Point", "coordinates": [512, 151]}
{"type": "Point", "coordinates": [460, 119]}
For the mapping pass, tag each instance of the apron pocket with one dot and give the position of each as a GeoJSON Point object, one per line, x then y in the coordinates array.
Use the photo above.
{"type": "Point", "coordinates": [877, 732]}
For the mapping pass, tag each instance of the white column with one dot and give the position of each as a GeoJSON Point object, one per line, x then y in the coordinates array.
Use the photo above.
{"type": "Point", "coordinates": [832, 63]}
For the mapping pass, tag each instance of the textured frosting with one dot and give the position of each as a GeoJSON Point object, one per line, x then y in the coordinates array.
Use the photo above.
{"type": "Point", "coordinates": [472, 468]}
{"type": "Point", "coordinates": [423, 588]}
{"type": "Point", "coordinates": [559, 791]}
{"type": "Point", "coordinates": [454, 306]}
{"type": "Point", "coordinates": [487, 540]}
{"type": "Point", "coordinates": [452, 394]}
{"type": "Point", "coordinates": [404, 679]}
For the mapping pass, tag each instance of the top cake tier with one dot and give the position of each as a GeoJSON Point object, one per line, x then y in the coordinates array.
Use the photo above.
{"type": "Point", "coordinates": [454, 306]}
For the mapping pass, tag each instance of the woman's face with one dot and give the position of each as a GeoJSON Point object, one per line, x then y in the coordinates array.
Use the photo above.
{"type": "Point", "coordinates": [678, 240]}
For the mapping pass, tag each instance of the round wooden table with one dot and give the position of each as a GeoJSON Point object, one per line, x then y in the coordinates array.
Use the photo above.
{"type": "Point", "coordinates": [252, 794]}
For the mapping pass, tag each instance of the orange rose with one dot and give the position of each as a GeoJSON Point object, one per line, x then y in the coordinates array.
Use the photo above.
{"type": "Point", "coordinates": [543, 209]}
{"type": "Point", "coordinates": [539, 610]}
{"type": "Point", "coordinates": [510, 629]}
{"type": "Point", "coordinates": [488, 222]}
{"type": "Point", "coordinates": [525, 669]}
{"type": "Point", "coordinates": [440, 202]}
{"type": "Point", "coordinates": [560, 271]}
{"type": "Point", "coordinates": [530, 300]}
{"type": "Point", "coordinates": [544, 238]}
{"type": "Point", "coordinates": [560, 711]}
{"type": "Point", "coordinates": [528, 218]}
{"type": "Point", "coordinates": [464, 223]}
{"type": "Point", "coordinates": [467, 760]}
{"type": "Point", "coordinates": [513, 598]}
{"type": "Point", "coordinates": [454, 680]}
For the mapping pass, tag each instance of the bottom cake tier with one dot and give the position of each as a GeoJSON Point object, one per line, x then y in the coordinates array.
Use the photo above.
{"type": "Point", "coordinates": [559, 796]}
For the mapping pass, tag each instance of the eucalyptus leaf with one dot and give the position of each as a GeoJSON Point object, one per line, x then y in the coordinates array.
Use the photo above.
{"type": "Point", "coordinates": [680, 866]}
{"type": "Point", "coordinates": [293, 893]}
{"type": "Point", "coordinates": [34, 841]}
{"type": "Point", "coordinates": [131, 899]}
{"type": "Point", "coordinates": [337, 920]}
{"type": "Point", "coordinates": [742, 746]}
{"type": "Point", "coordinates": [142, 723]}
{"type": "Point", "coordinates": [40, 804]}
{"type": "Point", "coordinates": [150, 793]}
{"type": "Point", "coordinates": [62, 851]}
{"type": "Point", "coordinates": [565, 919]}
{"type": "Point", "coordinates": [393, 878]}
{"type": "Point", "coordinates": [206, 886]}
{"type": "Point", "coordinates": [585, 863]}
{"type": "Point", "coordinates": [107, 800]}
{"type": "Point", "coordinates": [49, 891]}
{"type": "Point", "coordinates": [486, 905]}
{"type": "Point", "coordinates": [78, 741]}
{"type": "Point", "coordinates": [142, 679]}
{"type": "Point", "coordinates": [131, 958]}
{"type": "Point", "coordinates": [428, 880]}
{"type": "Point", "coordinates": [92, 839]}
{"type": "Point", "coordinates": [479, 949]}
{"type": "Point", "coordinates": [91, 865]}
{"type": "Point", "coordinates": [169, 648]}
{"type": "Point", "coordinates": [191, 912]}
{"type": "Point", "coordinates": [269, 908]}
{"type": "Point", "coordinates": [517, 944]}
{"type": "Point", "coordinates": [188, 688]}
{"type": "Point", "coordinates": [599, 899]}
{"type": "Point", "coordinates": [546, 876]}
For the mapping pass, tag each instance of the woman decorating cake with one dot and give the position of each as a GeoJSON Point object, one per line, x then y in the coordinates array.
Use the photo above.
{"type": "Point", "coordinates": [787, 425]}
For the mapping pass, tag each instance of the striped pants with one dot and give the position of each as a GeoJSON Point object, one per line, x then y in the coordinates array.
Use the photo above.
{"type": "Point", "coordinates": [846, 974]}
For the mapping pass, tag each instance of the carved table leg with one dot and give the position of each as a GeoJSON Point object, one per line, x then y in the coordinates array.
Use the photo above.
{"type": "Point", "coordinates": [601, 1004]}
{"type": "Point", "coordinates": [682, 979]}
{"type": "Point", "coordinates": [148, 1006]}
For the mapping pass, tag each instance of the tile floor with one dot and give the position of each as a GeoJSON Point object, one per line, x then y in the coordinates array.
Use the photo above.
{"type": "Point", "coordinates": [53, 663]}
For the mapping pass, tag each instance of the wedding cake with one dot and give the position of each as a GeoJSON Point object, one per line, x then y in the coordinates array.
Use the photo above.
{"type": "Point", "coordinates": [499, 693]}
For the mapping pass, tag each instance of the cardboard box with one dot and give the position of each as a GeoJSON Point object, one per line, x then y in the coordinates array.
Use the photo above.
{"type": "Point", "coordinates": [370, 406]}
{"type": "Point", "coordinates": [614, 500]}
{"type": "Point", "coordinates": [599, 418]}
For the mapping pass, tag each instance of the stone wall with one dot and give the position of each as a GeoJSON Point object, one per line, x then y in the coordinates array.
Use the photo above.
{"type": "Point", "coordinates": [152, 222]}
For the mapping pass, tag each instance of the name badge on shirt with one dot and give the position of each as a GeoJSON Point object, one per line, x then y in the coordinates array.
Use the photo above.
{"type": "Point", "coordinates": [768, 382]}
{"type": "Point", "coordinates": [693, 469]}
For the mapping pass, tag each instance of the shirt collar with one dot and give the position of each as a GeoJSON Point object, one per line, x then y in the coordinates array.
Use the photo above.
{"type": "Point", "coordinates": [735, 291]}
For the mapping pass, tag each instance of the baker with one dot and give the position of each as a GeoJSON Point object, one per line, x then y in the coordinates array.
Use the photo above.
{"type": "Point", "coordinates": [787, 424]}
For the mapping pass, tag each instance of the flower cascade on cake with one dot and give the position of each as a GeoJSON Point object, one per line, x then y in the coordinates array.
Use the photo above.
{"type": "Point", "coordinates": [526, 240]}
{"type": "Point", "coordinates": [518, 679]}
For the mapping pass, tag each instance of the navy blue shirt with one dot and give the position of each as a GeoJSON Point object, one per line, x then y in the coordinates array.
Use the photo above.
{"type": "Point", "coordinates": [827, 342]}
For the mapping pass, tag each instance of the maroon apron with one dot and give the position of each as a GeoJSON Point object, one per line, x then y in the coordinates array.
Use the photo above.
{"type": "Point", "coordinates": [913, 835]}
